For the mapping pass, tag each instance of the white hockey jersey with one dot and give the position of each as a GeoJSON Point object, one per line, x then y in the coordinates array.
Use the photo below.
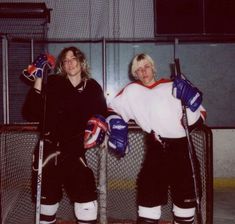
{"type": "Point", "coordinates": [154, 108]}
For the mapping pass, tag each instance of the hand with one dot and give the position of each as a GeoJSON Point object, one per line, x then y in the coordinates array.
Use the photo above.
{"type": "Point", "coordinates": [189, 95]}
{"type": "Point", "coordinates": [95, 131]}
{"type": "Point", "coordinates": [35, 70]}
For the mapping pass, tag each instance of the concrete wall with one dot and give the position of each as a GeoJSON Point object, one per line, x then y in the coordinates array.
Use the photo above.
{"type": "Point", "coordinates": [224, 153]}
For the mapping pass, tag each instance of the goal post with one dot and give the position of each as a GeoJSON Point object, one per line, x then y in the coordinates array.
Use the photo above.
{"type": "Point", "coordinates": [116, 178]}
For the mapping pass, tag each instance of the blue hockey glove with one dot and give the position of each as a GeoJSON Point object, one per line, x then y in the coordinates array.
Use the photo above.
{"type": "Point", "coordinates": [189, 95]}
{"type": "Point", "coordinates": [35, 70]}
{"type": "Point", "coordinates": [95, 131]}
{"type": "Point", "coordinates": [118, 135]}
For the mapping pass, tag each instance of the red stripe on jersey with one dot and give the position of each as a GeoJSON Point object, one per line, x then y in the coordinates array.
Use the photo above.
{"type": "Point", "coordinates": [203, 114]}
{"type": "Point", "coordinates": [149, 87]}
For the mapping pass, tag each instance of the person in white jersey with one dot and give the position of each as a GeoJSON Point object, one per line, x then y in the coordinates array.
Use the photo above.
{"type": "Point", "coordinates": [152, 105]}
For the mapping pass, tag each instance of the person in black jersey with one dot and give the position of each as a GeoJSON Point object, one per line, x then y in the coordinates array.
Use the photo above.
{"type": "Point", "coordinates": [72, 98]}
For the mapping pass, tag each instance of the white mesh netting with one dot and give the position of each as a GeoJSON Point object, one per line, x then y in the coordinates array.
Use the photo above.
{"type": "Point", "coordinates": [115, 178]}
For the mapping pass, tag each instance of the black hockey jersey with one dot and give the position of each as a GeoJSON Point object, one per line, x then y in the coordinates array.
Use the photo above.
{"type": "Point", "coordinates": [67, 108]}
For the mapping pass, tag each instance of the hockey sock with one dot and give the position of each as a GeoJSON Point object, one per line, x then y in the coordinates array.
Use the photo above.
{"type": "Point", "coordinates": [183, 215]}
{"type": "Point", "coordinates": [142, 220]}
{"type": "Point", "coordinates": [86, 222]}
{"type": "Point", "coordinates": [46, 219]}
{"type": "Point", "coordinates": [48, 213]}
{"type": "Point", "coordinates": [86, 213]}
{"type": "Point", "coordinates": [183, 220]}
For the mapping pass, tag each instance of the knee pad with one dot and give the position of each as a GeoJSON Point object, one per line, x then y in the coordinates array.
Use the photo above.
{"type": "Point", "coordinates": [86, 212]}
{"type": "Point", "coordinates": [48, 213]}
{"type": "Point", "coordinates": [150, 212]}
{"type": "Point", "coordinates": [183, 215]}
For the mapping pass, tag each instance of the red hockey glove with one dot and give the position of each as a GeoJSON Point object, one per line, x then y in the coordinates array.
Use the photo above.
{"type": "Point", "coordinates": [95, 131]}
{"type": "Point", "coordinates": [35, 70]}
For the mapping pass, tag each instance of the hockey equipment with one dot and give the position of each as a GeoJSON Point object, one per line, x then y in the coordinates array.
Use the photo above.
{"type": "Point", "coordinates": [35, 70]}
{"type": "Point", "coordinates": [153, 213]}
{"type": "Point", "coordinates": [192, 154]}
{"type": "Point", "coordinates": [39, 181]}
{"type": "Point", "coordinates": [48, 213]}
{"type": "Point", "coordinates": [142, 220]}
{"type": "Point", "coordinates": [183, 215]}
{"type": "Point", "coordinates": [184, 220]}
{"type": "Point", "coordinates": [49, 158]}
{"type": "Point", "coordinates": [189, 95]}
{"type": "Point", "coordinates": [118, 135]}
{"type": "Point", "coordinates": [95, 131]}
{"type": "Point", "coordinates": [41, 66]}
{"type": "Point", "coordinates": [86, 212]}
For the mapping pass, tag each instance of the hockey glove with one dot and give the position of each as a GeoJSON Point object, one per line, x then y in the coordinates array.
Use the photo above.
{"type": "Point", "coordinates": [118, 135]}
{"type": "Point", "coordinates": [35, 70]}
{"type": "Point", "coordinates": [95, 131]}
{"type": "Point", "coordinates": [189, 95]}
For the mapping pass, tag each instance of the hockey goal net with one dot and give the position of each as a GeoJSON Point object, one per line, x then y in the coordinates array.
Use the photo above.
{"type": "Point", "coordinates": [115, 178]}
